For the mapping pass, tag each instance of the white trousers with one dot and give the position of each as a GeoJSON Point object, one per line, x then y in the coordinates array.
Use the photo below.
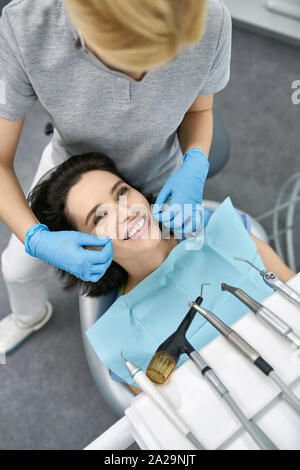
{"type": "Point", "coordinates": [26, 277]}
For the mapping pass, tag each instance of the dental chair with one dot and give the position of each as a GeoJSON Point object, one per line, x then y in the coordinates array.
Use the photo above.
{"type": "Point", "coordinates": [117, 395]}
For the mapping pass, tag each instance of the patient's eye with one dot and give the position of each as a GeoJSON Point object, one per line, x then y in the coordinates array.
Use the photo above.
{"type": "Point", "coordinates": [100, 216]}
{"type": "Point", "coordinates": [123, 187]}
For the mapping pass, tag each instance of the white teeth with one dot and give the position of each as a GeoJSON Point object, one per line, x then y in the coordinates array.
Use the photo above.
{"type": "Point", "coordinates": [138, 226]}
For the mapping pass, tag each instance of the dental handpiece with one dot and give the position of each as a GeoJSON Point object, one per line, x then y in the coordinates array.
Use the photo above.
{"type": "Point", "coordinates": [151, 390]}
{"type": "Point", "coordinates": [273, 281]}
{"type": "Point", "coordinates": [249, 352]}
{"type": "Point", "coordinates": [269, 317]}
{"type": "Point", "coordinates": [251, 427]}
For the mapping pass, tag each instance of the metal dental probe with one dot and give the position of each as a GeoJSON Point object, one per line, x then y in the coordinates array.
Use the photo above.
{"type": "Point", "coordinates": [273, 281]}
{"type": "Point", "coordinates": [251, 427]}
{"type": "Point", "coordinates": [248, 351]}
{"type": "Point", "coordinates": [151, 390]}
{"type": "Point", "coordinates": [269, 317]}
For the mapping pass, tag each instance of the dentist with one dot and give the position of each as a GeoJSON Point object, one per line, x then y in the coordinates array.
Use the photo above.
{"type": "Point", "coordinates": [133, 79]}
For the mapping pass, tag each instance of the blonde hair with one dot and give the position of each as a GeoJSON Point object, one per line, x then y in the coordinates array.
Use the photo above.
{"type": "Point", "coordinates": [139, 34]}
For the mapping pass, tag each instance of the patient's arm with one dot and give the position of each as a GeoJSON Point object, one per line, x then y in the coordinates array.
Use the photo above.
{"type": "Point", "coordinates": [271, 260]}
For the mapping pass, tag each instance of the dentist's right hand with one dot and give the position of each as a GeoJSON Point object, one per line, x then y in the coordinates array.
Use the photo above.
{"type": "Point", "coordinates": [64, 249]}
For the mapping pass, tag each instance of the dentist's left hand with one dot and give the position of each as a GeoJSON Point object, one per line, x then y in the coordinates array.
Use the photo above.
{"type": "Point", "coordinates": [186, 188]}
{"type": "Point", "coordinates": [64, 249]}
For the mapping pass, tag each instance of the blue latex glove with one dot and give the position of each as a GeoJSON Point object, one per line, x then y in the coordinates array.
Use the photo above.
{"type": "Point", "coordinates": [64, 249]}
{"type": "Point", "coordinates": [185, 187]}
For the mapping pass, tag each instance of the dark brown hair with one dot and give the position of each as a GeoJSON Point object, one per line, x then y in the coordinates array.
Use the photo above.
{"type": "Point", "coordinates": [47, 200]}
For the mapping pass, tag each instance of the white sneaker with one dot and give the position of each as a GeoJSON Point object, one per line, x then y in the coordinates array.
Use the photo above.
{"type": "Point", "coordinates": [13, 333]}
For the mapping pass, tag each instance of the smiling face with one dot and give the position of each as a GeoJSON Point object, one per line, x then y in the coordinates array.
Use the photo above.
{"type": "Point", "coordinates": [101, 204]}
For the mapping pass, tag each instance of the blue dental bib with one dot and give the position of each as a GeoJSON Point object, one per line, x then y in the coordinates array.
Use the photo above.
{"type": "Point", "coordinates": [138, 322]}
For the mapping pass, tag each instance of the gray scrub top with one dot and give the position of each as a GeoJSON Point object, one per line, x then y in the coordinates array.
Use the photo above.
{"type": "Point", "coordinates": [96, 108]}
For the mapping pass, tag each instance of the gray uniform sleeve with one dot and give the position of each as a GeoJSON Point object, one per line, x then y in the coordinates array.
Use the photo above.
{"type": "Point", "coordinates": [219, 74]}
{"type": "Point", "coordinates": [16, 92]}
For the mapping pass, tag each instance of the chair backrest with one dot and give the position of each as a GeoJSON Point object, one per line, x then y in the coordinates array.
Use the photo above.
{"type": "Point", "coordinates": [117, 395]}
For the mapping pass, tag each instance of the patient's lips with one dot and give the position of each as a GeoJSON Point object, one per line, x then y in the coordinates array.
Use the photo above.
{"type": "Point", "coordinates": [133, 223]}
{"type": "Point", "coordinates": [137, 227]}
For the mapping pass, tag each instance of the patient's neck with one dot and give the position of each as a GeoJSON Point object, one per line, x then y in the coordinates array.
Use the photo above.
{"type": "Point", "coordinates": [140, 267]}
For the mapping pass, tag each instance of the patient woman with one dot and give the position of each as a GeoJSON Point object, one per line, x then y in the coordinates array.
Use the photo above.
{"type": "Point", "coordinates": [88, 194]}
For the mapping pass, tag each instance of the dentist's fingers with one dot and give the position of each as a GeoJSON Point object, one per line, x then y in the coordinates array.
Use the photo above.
{"type": "Point", "coordinates": [161, 199]}
{"type": "Point", "coordinates": [169, 213]}
{"type": "Point", "coordinates": [99, 256]}
{"type": "Point", "coordinates": [92, 240]}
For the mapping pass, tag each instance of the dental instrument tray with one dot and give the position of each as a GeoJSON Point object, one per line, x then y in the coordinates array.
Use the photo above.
{"type": "Point", "coordinates": [259, 398]}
